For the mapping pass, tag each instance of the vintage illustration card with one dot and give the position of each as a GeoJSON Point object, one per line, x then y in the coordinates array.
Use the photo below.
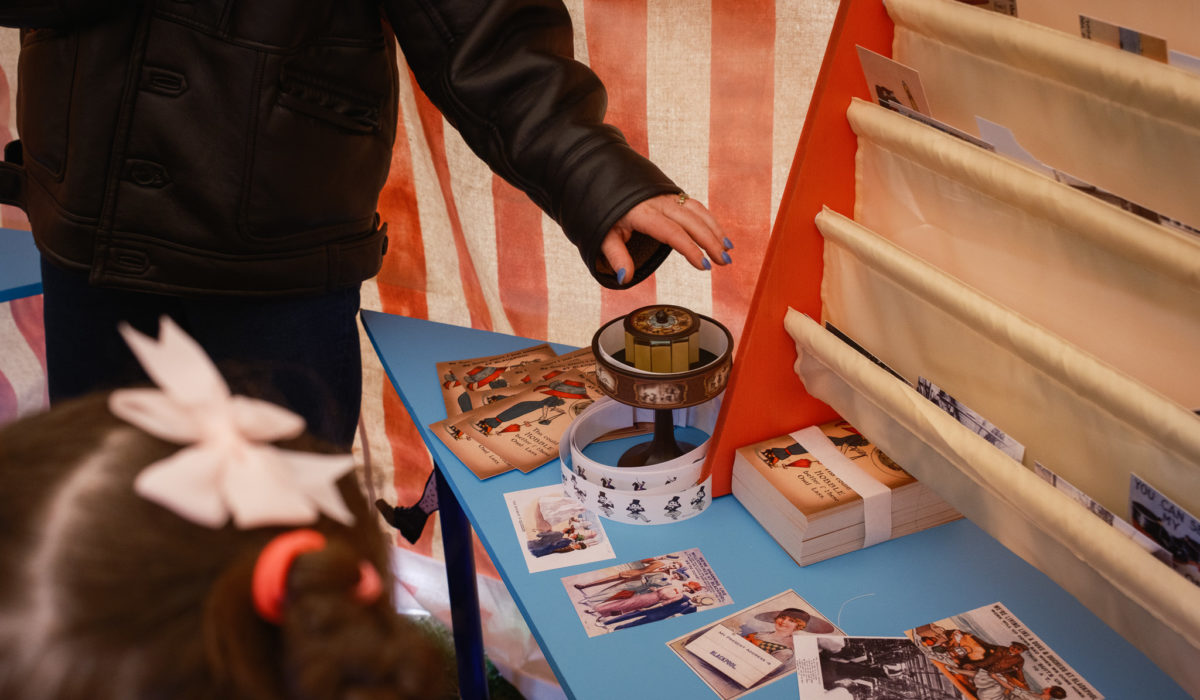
{"type": "Point", "coordinates": [482, 462]}
{"type": "Point", "coordinates": [647, 590]}
{"type": "Point", "coordinates": [753, 647]}
{"type": "Point", "coordinates": [521, 431]}
{"type": "Point", "coordinates": [1169, 525]}
{"type": "Point", "coordinates": [556, 530]}
{"type": "Point", "coordinates": [832, 666]}
{"type": "Point", "coordinates": [547, 369]}
{"type": "Point", "coordinates": [989, 653]}
{"type": "Point", "coordinates": [460, 378]}
{"type": "Point", "coordinates": [524, 430]}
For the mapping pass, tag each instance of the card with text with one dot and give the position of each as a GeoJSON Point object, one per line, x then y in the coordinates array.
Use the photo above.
{"type": "Point", "coordinates": [1168, 524]}
{"type": "Point", "coordinates": [988, 652]}
{"type": "Point", "coordinates": [722, 659]}
{"type": "Point", "coordinates": [891, 81]}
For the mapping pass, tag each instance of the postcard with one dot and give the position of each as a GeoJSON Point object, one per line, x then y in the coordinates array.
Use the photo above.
{"type": "Point", "coordinates": [460, 377]}
{"type": "Point", "coordinates": [524, 430]}
{"type": "Point", "coordinates": [891, 81]}
{"type": "Point", "coordinates": [545, 370]}
{"type": "Point", "coordinates": [1165, 522]}
{"type": "Point", "coordinates": [1123, 38]}
{"type": "Point", "coordinates": [1183, 60]}
{"type": "Point", "coordinates": [742, 661]}
{"type": "Point", "coordinates": [647, 590]}
{"type": "Point", "coordinates": [1103, 513]}
{"type": "Point", "coordinates": [989, 653]}
{"type": "Point", "coordinates": [555, 530]}
{"type": "Point", "coordinates": [482, 462]}
{"type": "Point", "coordinates": [971, 419]}
{"type": "Point", "coordinates": [1004, 142]}
{"type": "Point", "coordinates": [723, 660]}
{"type": "Point", "coordinates": [832, 666]}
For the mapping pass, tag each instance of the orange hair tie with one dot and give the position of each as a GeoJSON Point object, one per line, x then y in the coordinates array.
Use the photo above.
{"type": "Point", "coordinates": [269, 582]}
{"type": "Point", "coordinates": [270, 571]}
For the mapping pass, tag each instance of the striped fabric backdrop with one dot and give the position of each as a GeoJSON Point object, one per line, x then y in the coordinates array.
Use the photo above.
{"type": "Point", "coordinates": [714, 91]}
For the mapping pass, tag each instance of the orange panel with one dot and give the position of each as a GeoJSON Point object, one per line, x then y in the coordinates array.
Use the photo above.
{"type": "Point", "coordinates": [764, 397]}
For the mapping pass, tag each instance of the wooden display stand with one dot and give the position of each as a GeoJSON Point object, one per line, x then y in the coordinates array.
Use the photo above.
{"type": "Point", "coordinates": [764, 397]}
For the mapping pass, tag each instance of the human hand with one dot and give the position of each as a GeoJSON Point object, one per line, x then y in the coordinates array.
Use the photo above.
{"type": "Point", "coordinates": [676, 220]}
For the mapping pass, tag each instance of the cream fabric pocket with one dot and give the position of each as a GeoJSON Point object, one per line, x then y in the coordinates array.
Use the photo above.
{"type": "Point", "coordinates": [1156, 610]}
{"type": "Point", "coordinates": [1102, 278]}
{"type": "Point", "coordinates": [1120, 121]}
{"type": "Point", "coordinates": [1075, 414]}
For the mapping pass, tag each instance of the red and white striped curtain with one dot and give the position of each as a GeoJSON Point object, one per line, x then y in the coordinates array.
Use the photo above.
{"type": "Point", "coordinates": [714, 91]}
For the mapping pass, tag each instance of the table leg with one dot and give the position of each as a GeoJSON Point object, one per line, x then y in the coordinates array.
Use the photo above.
{"type": "Point", "coordinates": [459, 551]}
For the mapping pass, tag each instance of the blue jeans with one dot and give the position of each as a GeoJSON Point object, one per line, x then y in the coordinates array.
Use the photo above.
{"type": "Point", "coordinates": [302, 353]}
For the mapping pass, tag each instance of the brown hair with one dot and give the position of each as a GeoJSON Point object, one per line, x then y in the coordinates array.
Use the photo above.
{"type": "Point", "coordinates": [104, 594]}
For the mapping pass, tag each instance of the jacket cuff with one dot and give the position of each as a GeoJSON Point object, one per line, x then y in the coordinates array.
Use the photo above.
{"type": "Point", "coordinates": [623, 179]}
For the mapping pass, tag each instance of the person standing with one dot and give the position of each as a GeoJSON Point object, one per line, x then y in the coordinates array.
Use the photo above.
{"type": "Point", "coordinates": [220, 162]}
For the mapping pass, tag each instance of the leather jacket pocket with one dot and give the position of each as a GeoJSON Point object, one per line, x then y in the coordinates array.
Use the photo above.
{"type": "Point", "coordinates": [321, 157]}
{"type": "Point", "coordinates": [47, 79]}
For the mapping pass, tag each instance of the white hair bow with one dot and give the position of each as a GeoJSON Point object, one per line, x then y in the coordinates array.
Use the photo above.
{"type": "Point", "coordinates": [229, 468]}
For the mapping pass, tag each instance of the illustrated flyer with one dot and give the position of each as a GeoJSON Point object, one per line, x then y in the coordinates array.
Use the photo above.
{"type": "Point", "coordinates": [753, 647]}
{"type": "Point", "coordinates": [556, 530]}
{"type": "Point", "coordinates": [989, 653]}
{"type": "Point", "coordinates": [647, 590]}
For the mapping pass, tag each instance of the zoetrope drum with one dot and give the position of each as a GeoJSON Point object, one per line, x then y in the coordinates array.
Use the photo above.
{"type": "Point", "coordinates": [664, 362]}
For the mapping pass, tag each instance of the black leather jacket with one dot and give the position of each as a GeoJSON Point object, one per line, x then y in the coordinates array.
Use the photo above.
{"type": "Point", "coordinates": [201, 147]}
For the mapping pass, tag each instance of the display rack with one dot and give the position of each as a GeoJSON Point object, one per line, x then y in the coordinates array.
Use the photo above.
{"type": "Point", "coordinates": [1154, 608]}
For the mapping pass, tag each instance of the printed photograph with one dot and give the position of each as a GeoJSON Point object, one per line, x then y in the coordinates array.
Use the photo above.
{"type": "Point", "coordinates": [753, 647]}
{"type": "Point", "coordinates": [861, 668]}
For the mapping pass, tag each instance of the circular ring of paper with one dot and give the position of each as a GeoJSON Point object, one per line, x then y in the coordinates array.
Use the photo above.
{"type": "Point", "coordinates": [638, 507]}
{"type": "Point", "coordinates": [606, 415]}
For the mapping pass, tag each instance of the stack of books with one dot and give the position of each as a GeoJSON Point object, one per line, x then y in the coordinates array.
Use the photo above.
{"type": "Point", "coordinates": [809, 510]}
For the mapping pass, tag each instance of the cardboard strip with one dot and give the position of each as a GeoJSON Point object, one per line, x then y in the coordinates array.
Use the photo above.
{"type": "Point", "coordinates": [607, 415]}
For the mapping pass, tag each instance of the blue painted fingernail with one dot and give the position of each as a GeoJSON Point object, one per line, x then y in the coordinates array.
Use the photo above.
{"type": "Point", "coordinates": [621, 276]}
{"type": "Point", "coordinates": [726, 258]}
{"type": "Point", "coordinates": [728, 244]}
{"type": "Point", "coordinates": [707, 264]}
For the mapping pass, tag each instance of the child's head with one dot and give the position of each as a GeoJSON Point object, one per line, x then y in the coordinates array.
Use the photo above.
{"type": "Point", "coordinates": [106, 594]}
